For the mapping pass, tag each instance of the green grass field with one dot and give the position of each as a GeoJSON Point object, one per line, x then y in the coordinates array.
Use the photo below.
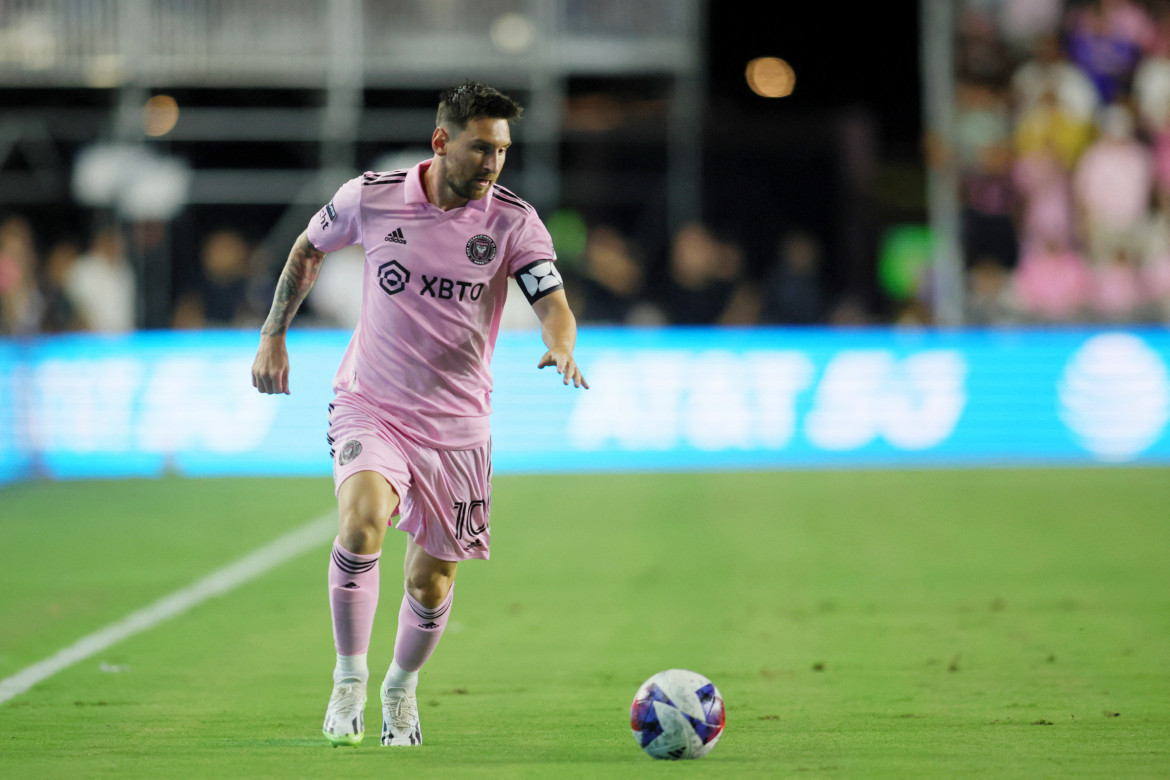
{"type": "Point", "coordinates": [988, 623]}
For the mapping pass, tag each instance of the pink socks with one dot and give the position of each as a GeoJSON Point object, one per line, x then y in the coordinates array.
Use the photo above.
{"type": "Point", "coordinates": [419, 630]}
{"type": "Point", "coordinates": [353, 598]}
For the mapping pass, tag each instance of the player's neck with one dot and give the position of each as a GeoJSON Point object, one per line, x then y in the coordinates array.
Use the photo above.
{"type": "Point", "coordinates": [435, 186]}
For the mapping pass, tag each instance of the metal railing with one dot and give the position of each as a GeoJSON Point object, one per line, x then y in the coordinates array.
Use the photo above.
{"type": "Point", "coordinates": [108, 43]}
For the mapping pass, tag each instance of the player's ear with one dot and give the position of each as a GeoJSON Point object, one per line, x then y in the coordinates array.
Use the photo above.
{"type": "Point", "coordinates": [439, 141]}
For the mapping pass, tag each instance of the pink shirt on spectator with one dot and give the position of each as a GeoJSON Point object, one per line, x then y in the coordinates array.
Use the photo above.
{"type": "Point", "coordinates": [1053, 285]}
{"type": "Point", "coordinates": [1155, 276]}
{"type": "Point", "coordinates": [434, 288]}
{"type": "Point", "coordinates": [1161, 144]}
{"type": "Point", "coordinates": [1117, 291]}
{"type": "Point", "coordinates": [1048, 216]}
{"type": "Point", "coordinates": [1114, 181]}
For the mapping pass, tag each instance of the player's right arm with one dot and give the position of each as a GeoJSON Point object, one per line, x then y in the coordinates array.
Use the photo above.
{"type": "Point", "coordinates": [270, 369]}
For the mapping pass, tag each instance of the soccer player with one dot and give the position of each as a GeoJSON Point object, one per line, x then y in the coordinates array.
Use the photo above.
{"type": "Point", "coordinates": [408, 426]}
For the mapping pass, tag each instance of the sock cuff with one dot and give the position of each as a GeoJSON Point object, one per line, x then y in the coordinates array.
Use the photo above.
{"type": "Point", "coordinates": [397, 677]}
{"type": "Point", "coordinates": [428, 613]}
{"type": "Point", "coordinates": [351, 562]}
{"type": "Point", "coordinates": [351, 667]}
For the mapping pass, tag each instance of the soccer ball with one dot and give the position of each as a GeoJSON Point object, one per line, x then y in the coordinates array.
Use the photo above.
{"type": "Point", "coordinates": [677, 714]}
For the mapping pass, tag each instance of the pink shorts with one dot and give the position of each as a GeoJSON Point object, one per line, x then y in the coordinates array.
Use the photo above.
{"type": "Point", "coordinates": [445, 496]}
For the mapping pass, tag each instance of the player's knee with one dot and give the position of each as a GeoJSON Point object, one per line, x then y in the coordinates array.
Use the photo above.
{"type": "Point", "coordinates": [362, 527]}
{"type": "Point", "coordinates": [429, 588]}
{"type": "Point", "coordinates": [361, 539]}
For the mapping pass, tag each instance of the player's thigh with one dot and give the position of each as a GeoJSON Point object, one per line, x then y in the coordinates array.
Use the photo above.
{"type": "Point", "coordinates": [365, 502]}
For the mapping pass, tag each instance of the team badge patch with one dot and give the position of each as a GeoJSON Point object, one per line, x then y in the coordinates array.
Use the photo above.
{"type": "Point", "coordinates": [481, 249]}
{"type": "Point", "coordinates": [351, 450]}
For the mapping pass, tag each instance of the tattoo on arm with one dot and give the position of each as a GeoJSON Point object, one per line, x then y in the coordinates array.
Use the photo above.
{"type": "Point", "coordinates": [297, 278]}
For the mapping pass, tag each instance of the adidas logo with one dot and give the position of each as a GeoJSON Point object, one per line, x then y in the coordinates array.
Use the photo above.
{"type": "Point", "coordinates": [395, 236]}
{"type": "Point", "coordinates": [350, 586]}
{"type": "Point", "coordinates": [474, 543]}
{"type": "Point", "coordinates": [432, 624]}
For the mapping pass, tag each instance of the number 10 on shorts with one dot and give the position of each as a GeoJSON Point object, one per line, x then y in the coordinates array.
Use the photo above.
{"type": "Point", "coordinates": [465, 518]}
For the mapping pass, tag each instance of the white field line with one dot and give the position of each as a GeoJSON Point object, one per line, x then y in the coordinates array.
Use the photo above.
{"type": "Point", "coordinates": [215, 584]}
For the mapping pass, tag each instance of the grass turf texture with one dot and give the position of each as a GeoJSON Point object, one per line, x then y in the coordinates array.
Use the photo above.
{"type": "Point", "coordinates": [985, 623]}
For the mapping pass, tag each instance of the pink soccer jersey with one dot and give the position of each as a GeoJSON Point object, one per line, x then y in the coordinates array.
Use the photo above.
{"type": "Point", "coordinates": [434, 288]}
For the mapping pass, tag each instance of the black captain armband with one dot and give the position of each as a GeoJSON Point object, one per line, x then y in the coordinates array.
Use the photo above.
{"type": "Point", "coordinates": [538, 279]}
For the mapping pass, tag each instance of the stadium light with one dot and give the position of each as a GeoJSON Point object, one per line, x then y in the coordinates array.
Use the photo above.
{"type": "Point", "coordinates": [160, 114]}
{"type": "Point", "coordinates": [770, 77]}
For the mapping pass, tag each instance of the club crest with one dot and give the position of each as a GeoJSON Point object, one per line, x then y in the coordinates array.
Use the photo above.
{"type": "Point", "coordinates": [351, 450]}
{"type": "Point", "coordinates": [481, 249]}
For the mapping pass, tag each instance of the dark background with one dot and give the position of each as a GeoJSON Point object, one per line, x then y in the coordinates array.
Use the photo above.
{"type": "Point", "coordinates": [839, 157]}
{"type": "Point", "coordinates": [846, 55]}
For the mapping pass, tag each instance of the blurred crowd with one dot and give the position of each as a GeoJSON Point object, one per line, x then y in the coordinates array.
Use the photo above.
{"type": "Point", "coordinates": [703, 279]}
{"type": "Point", "coordinates": [96, 287]}
{"type": "Point", "coordinates": [1061, 143]}
{"type": "Point", "coordinates": [1063, 151]}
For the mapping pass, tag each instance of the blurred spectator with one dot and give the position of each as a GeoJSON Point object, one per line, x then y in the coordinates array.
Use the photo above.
{"type": "Point", "coordinates": [1117, 295]}
{"type": "Point", "coordinates": [983, 122]}
{"type": "Point", "coordinates": [849, 311]}
{"type": "Point", "coordinates": [187, 311]}
{"type": "Point", "coordinates": [1052, 284]}
{"type": "Point", "coordinates": [1048, 72]}
{"type": "Point", "coordinates": [224, 282]}
{"type": "Point", "coordinates": [1023, 22]}
{"type": "Point", "coordinates": [1048, 127]}
{"type": "Point", "coordinates": [913, 314]}
{"type": "Point", "coordinates": [793, 292]}
{"type": "Point", "coordinates": [1160, 14]}
{"type": "Point", "coordinates": [704, 284]}
{"type": "Point", "coordinates": [1155, 271]}
{"type": "Point", "coordinates": [1045, 191]}
{"type": "Point", "coordinates": [101, 285]}
{"type": "Point", "coordinates": [1160, 143]}
{"type": "Point", "coordinates": [223, 295]}
{"type": "Point", "coordinates": [1107, 39]}
{"type": "Point", "coordinates": [337, 295]}
{"type": "Point", "coordinates": [150, 245]}
{"type": "Point", "coordinates": [1112, 186]}
{"type": "Point", "coordinates": [982, 53]}
{"type": "Point", "coordinates": [611, 278]}
{"type": "Point", "coordinates": [1128, 20]}
{"type": "Point", "coordinates": [983, 154]}
{"type": "Point", "coordinates": [1151, 88]}
{"type": "Point", "coordinates": [990, 204]}
{"type": "Point", "coordinates": [1083, 177]}
{"type": "Point", "coordinates": [20, 299]}
{"type": "Point", "coordinates": [988, 300]}
{"type": "Point", "coordinates": [1152, 100]}
{"type": "Point", "coordinates": [59, 314]}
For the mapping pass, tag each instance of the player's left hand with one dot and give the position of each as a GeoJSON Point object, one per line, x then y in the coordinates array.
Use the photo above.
{"type": "Point", "coordinates": [566, 366]}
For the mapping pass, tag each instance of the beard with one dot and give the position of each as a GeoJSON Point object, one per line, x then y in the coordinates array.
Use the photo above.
{"type": "Point", "coordinates": [468, 187]}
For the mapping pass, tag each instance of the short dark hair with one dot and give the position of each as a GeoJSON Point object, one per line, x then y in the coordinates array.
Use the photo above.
{"type": "Point", "coordinates": [472, 100]}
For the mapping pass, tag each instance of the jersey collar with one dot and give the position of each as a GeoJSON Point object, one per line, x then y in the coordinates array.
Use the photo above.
{"type": "Point", "coordinates": [417, 194]}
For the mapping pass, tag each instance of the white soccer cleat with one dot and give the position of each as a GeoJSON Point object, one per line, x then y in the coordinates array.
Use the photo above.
{"type": "Point", "coordinates": [400, 726]}
{"type": "Point", "coordinates": [345, 722]}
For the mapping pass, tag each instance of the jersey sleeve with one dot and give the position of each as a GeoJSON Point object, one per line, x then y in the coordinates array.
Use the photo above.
{"type": "Point", "coordinates": [533, 260]}
{"type": "Point", "coordinates": [339, 222]}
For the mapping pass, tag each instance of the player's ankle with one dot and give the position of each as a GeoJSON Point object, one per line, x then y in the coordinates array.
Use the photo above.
{"type": "Point", "coordinates": [351, 669]}
{"type": "Point", "coordinates": [397, 677]}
